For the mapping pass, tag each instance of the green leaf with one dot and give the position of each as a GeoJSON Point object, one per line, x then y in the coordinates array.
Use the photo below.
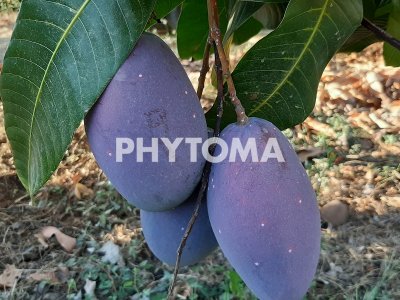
{"type": "Point", "coordinates": [277, 79]}
{"type": "Point", "coordinates": [377, 12]}
{"type": "Point", "coordinates": [268, 12]}
{"type": "Point", "coordinates": [267, 1]}
{"type": "Point", "coordinates": [363, 37]}
{"type": "Point", "coordinates": [192, 32]}
{"type": "Point", "coordinates": [241, 12]}
{"type": "Point", "coordinates": [245, 32]}
{"type": "Point", "coordinates": [271, 14]}
{"type": "Point", "coordinates": [164, 7]}
{"type": "Point", "coordinates": [369, 8]}
{"type": "Point", "coordinates": [61, 57]}
{"type": "Point", "coordinates": [391, 54]}
{"type": "Point", "coordinates": [235, 284]}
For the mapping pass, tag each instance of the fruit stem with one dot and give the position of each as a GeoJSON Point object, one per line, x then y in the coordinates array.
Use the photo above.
{"type": "Point", "coordinates": [204, 68]}
{"type": "Point", "coordinates": [220, 87]}
{"type": "Point", "coordinates": [205, 176]}
{"type": "Point", "coordinates": [215, 33]}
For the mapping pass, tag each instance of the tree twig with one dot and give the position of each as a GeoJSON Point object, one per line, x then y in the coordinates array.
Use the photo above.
{"type": "Point", "coordinates": [380, 33]}
{"type": "Point", "coordinates": [220, 102]}
{"type": "Point", "coordinates": [215, 33]}
{"type": "Point", "coordinates": [204, 68]}
{"type": "Point", "coordinates": [205, 176]}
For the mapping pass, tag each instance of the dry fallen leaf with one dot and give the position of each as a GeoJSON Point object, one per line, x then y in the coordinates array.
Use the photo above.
{"type": "Point", "coordinates": [45, 276]}
{"type": "Point", "coordinates": [67, 242]}
{"type": "Point", "coordinates": [378, 121]}
{"type": "Point", "coordinates": [41, 240]}
{"type": "Point", "coordinates": [391, 201]}
{"type": "Point", "coordinates": [59, 275]}
{"type": "Point", "coordinates": [82, 191]}
{"type": "Point", "coordinates": [311, 152]}
{"type": "Point", "coordinates": [121, 235]}
{"type": "Point", "coordinates": [76, 178]}
{"type": "Point", "coordinates": [319, 127]}
{"type": "Point", "coordinates": [10, 276]}
{"type": "Point", "coordinates": [89, 288]}
{"type": "Point", "coordinates": [111, 253]}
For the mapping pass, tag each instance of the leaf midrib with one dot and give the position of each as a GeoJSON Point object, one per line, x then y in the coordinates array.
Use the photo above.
{"type": "Point", "coordinates": [297, 62]}
{"type": "Point", "coordinates": [37, 100]}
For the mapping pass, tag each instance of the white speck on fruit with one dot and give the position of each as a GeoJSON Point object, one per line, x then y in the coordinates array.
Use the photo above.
{"type": "Point", "coordinates": [262, 224]}
{"type": "Point", "coordinates": [219, 231]}
{"type": "Point", "coordinates": [186, 92]}
{"type": "Point", "coordinates": [256, 264]}
{"type": "Point", "coordinates": [213, 186]}
{"type": "Point", "coordinates": [283, 52]}
{"type": "Point", "coordinates": [109, 154]}
{"type": "Point", "coordinates": [182, 228]}
{"type": "Point", "coordinates": [290, 250]}
{"type": "Point", "coordinates": [300, 201]}
{"type": "Point", "coordinates": [194, 116]}
{"type": "Point", "coordinates": [140, 75]}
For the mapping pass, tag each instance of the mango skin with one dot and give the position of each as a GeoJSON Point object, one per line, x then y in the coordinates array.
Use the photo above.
{"type": "Point", "coordinates": [163, 232]}
{"type": "Point", "coordinates": [265, 216]}
{"type": "Point", "coordinates": [150, 97]}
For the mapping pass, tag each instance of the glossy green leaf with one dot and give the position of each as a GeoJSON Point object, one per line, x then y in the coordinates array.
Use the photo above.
{"type": "Point", "coordinates": [163, 7]}
{"type": "Point", "coordinates": [192, 32]}
{"type": "Point", "coordinates": [268, 1]}
{"type": "Point", "coordinates": [241, 12]}
{"type": "Point", "coordinates": [377, 12]}
{"type": "Point", "coordinates": [270, 14]}
{"type": "Point", "coordinates": [363, 37]}
{"type": "Point", "coordinates": [391, 54]}
{"type": "Point", "coordinates": [61, 57]}
{"type": "Point", "coordinates": [245, 32]}
{"type": "Point", "coordinates": [277, 79]}
{"type": "Point", "coordinates": [369, 8]}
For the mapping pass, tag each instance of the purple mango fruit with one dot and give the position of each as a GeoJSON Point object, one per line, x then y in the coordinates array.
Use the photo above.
{"type": "Point", "coordinates": [265, 215]}
{"type": "Point", "coordinates": [163, 232]}
{"type": "Point", "coordinates": [149, 97]}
